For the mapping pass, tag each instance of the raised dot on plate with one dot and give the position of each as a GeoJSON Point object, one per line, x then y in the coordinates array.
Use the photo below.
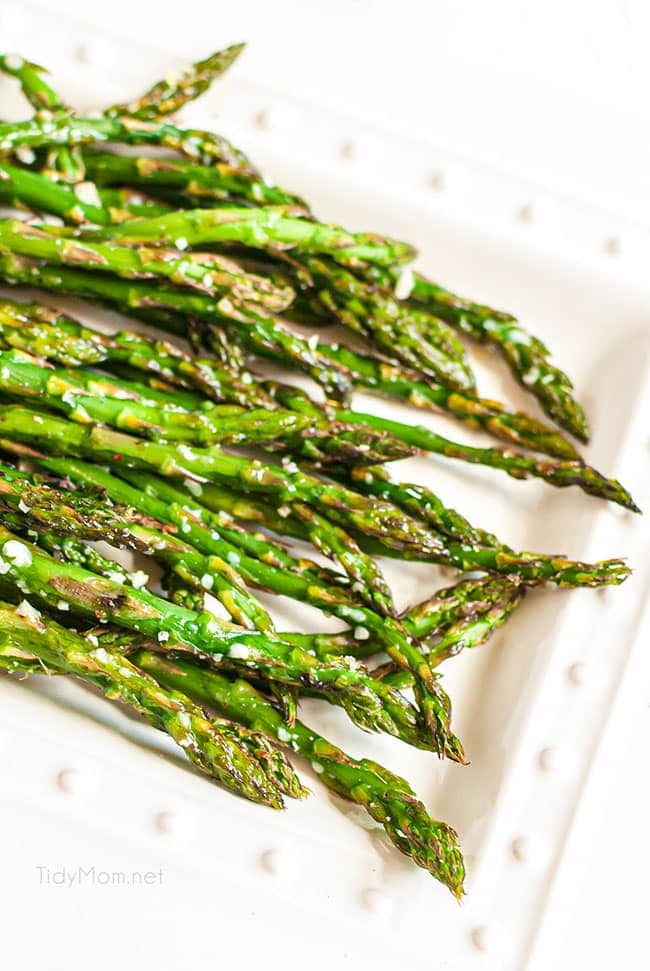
{"type": "Point", "coordinates": [612, 246]}
{"type": "Point", "coordinates": [169, 823]}
{"type": "Point", "coordinates": [585, 674]}
{"type": "Point", "coordinates": [262, 119]}
{"type": "Point", "coordinates": [70, 781]}
{"type": "Point", "coordinates": [555, 760]}
{"type": "Point", "coordinates": [83, 53]}
{"type": "Point", "coordinates": [526, 213]}
{"type": "Point", "coordinates": [528, 849]}
{"type": "Point", "coordinates": [348, 151]}
{"type": "Point", "coordinates": [490, 940]}
{"type": "Point", "coordinates": [437, 181]}
{"type": "Point", "coordinates": [376, 901]}
{"type": "Point", "coordinates": [483, 938]}
{"type": "Point", "coordinates": [92, 51]}
{"type": "Point", "coordinates": [279, 863]}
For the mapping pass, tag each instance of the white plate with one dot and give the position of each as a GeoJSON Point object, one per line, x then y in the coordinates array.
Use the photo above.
{"type": "Point", "coordinates": [531, 708]}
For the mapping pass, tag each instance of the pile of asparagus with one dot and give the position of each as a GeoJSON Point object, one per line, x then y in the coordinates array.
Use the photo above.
{"type": "Point", "coordinates": [202, 466]}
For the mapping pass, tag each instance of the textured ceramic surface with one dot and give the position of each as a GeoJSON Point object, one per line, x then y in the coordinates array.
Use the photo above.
{"type": "Point", "coordinates": [532, 708]}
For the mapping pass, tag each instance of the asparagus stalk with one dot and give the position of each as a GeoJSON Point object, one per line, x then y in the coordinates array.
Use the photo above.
{"type": "Point", "coordinates": [240, 759]}
{"type": "Point", "coordinates": [122, 203]}
{"type": "Point", "coordinates": [471, 632]}
{"type": "Point", "coordinates": [71, 549]}
{"type": "Point", "coordinates": [475, 550]}
{"type": "Point", "coordinates": [170, 417]}
{"type": "Point", "coordinates": [527, 356]}
{"type": "Point", "coordinates": [69, 130]}
{"type": "Point", "coordinates": [268, 228]}
{"type": "Point", "coordinates": [561, 473]}
{"type": "Point", "coordinates": [258, 329]}
{"type": "Point", "coordinates": [335, 543]}
{"type": "Point", "coordinates": [514, 427]}
{"type": "Point", "coordinates": [462, 615]}
{"type": "Point", "coordinates": [218, 576]}
{"type": "Point", "coordinates": [207, 273]}
{"type": "Point", "coordinates": [59, 436]}
{"type": "Point", "coordinates": [20, 187]}
{"type": "Point", "coordinates": [168, 95]}
{"type": "Point", "coordinates": [49, 334]}
{"type": "Point", "coordinates": [558, 472]}
{"type": "Point", "coordinates": [87, 396]}
{"type": "Point", "coordinates": [94, 523]}
{"type": "Point", "coordinates": [259, 561]}
{"type": "Point", "coordinates": [30, 77]}
{"type": "Point", "coordinates": [386, 797]}
{"type": "Point", "coordinates": [371, 705]}
{"type": "Point", "coordinates": [204, 531]}
{"type": "Point", "coordinates": [463, 633]}
{"type": "Point", "coordinates": [63, 162]}
{"type": "Point", "coordinates": [46, 509]}
{"type": "Point", "coordinates": [196, 182]}
{"type": "Point", "coordinates": [395, 381]}
{"type": "Point", "coordinates": [253, 509]}
{"type": "Point", "coordinates": [417, 339]}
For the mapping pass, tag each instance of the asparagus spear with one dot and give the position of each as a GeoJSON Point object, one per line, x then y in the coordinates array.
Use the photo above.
{"type": "Point", "coordinates": [156, 497]}
{"type": "Point", "coordinates": [70, 130]}
{"type": "Point", "coordinates": [238, 758]}
{"type": "Point", "coordinates": [196, 570]}
{"type": "Point", "coordinates": [558, 472]}
{"type": "Point", "coordinates": [417, 339]}
{"type": "Point", "coordinates": [196, 182]}
{"type": "Point", "coordinates": [371, 705]}
{"type": "Point", "coordinates": [208, 273]}
{"type": "Point", "coordinates": [63, 162]}
{"type": "Point", "coordinates": [472, 632]}
{"type": "Point", "coordinates": [463, 633]}
{"type": "Point", "coordinates": [375, 374]}
{"type": "Point", "coordinates": [288, 484]}
{"type": "Point", "coordinates": [253, 509]}
{"type": "Point", "coordinates": [258, 329]}
{"type": "Point", "coordinates": [88, 396]}
{"type": "Point", "coordinates": [30, 76]}
{"type": "Point", "coordinates": [260, 562]}
{"type": "Point", "coordinates": [270, 227]}
{"type": "Point", "coordinates": [46, 509]}
{"type": "Point", "coordinates": [455, 618]}
{"type": "Point", "coordinates": [399, 382]}
{"type": "Point", "coordinates": [471, 550]}
{"type": "Point", "coordinates": [20, 187]}
{"type": "Point", "coordinates": [187, 569]}
{"type": "Point", "coordinates": [335, 543]}
{"type": "Point", "coordinates": [527, 356]}
{"type": "Point", "coordinates": [561, 473]}
{"type": "Point", "coordinates": [70, 549]}
{"type": "Point", "coordinates": [386, 797]}
{"type": "Point", "coordinates": [168, 95]}
{"type": "Point", "coordinates": [171, 417]}
{"type": "Point", "coordinates": [49, 334]}
{"type": "Point", "coordinates": [122, 203]}
{"type": "Point", "coordinates": [462, 615]}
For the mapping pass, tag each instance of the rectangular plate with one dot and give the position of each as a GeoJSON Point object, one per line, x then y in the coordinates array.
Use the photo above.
{"type": "Point", "coordinates": [530, 708]}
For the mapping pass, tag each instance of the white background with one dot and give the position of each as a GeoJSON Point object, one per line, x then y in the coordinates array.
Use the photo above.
{"type": "Point", "coordinates": [559, 87]}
